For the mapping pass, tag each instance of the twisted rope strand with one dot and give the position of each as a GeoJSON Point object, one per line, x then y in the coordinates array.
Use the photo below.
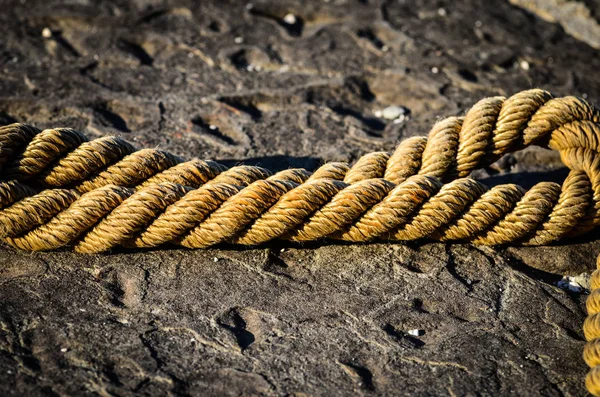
{"type": "Point", "coordinates": [591, 330]}
{"type": "Point", "coordinates": [104, 193]}
{"type": "Point", "coordinates": [397, 196]}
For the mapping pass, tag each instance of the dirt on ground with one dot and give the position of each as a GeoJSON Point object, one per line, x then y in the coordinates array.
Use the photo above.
{"type": "Point", "coordinates": [292, 84]}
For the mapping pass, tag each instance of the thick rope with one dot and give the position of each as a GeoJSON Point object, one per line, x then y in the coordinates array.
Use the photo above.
{"type": "Point", "coordinates": [104, 193]}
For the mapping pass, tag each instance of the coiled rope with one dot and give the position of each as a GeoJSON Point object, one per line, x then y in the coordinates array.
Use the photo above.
{"type": "Point", "coordinates": [57, 188]}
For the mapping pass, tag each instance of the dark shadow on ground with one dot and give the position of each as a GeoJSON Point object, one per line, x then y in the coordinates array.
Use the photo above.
{"type": "Point", "coordinates": [277, 162]}
{"type": "Point", "coordinates": [526, 179]}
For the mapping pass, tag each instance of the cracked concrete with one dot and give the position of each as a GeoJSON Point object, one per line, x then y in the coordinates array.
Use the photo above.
{"type": "Point", "coordinates": [239, 83]}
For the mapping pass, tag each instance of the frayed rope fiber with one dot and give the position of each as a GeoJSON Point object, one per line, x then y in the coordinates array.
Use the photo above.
{"type": "Point", "coordinates": [57, 188]}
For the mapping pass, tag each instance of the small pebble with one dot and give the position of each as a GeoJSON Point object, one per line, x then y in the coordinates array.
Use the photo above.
{"type": "Point", "coordinates": [524, 65]}
{"type": "Point", "coordinates": [46, 33]}
{"type": "Point", "coordinates": [290, 19]}
{"type": "Point", "coordinates": [583, 280]}
{"type": "Point", "coordinates": [238, 40]}
{"type": "Point", "coordinates": [64, 350]}
{"type": "Point", "coordinates": [215, 259]}
{"type": "Point", "coordinates": [401, 119]}
{"type": "Point", "coordinates": [416, 332]}
{"type": "Point", "coordinates": [569, 283]}
{"type": "Point", "coordinates": [442, 12]}
{"type": "Point", "coordinates": [385, 48]}
{"type": "Point", "coordinates": [282, 250]}
{"type": "Point", "coordinates": [435, 70]}
{"type": "Point", "coordinates": [212, 127]}
{"type": "Point", "coordinates": [478, 24]}
{"type": "Point", "coordinates": [393, 112]}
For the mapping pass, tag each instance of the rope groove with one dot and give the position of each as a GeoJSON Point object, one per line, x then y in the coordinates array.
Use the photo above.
{"type": "Point", "coordinates": [57, 188]}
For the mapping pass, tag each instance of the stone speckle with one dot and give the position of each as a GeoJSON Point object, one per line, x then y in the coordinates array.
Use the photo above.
{"type": "Point", "coordinates": [283, 319]}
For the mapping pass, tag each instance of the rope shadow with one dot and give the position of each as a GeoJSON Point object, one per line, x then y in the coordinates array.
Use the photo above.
{"type": "Point", "coordinates": [526, 179]}
{"type": "Point", "coordinates": [277, 163]}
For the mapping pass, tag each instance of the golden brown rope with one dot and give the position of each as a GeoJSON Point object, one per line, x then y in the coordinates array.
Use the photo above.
{"type": "Point", "coordinates": [104, 193]}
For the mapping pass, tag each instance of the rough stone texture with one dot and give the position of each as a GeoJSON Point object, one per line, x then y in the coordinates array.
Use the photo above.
{"type": "Point", "coordinates": [576, 18]}
{"type": "Point", "coordinates": [320, 319]}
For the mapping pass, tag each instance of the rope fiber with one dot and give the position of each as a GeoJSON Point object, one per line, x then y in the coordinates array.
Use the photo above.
{"type": "Point", "coordinates": [57, 188]}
